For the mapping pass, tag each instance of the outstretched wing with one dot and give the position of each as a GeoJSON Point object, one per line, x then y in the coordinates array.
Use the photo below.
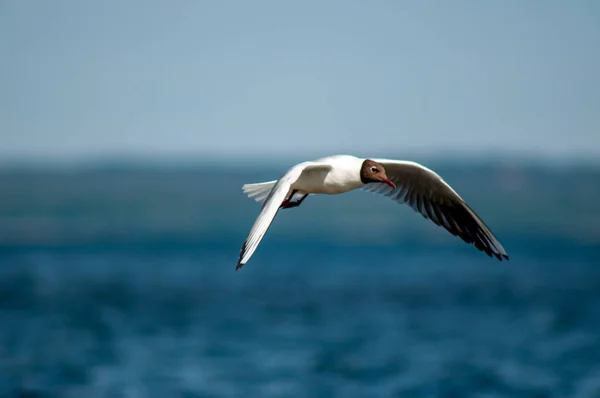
{"type": "Point", "coordinates": [263, 221]}
{"type": "Point", "coordinates": [427, 193]}
{"type": "Point", "coordinates": [270, 208]}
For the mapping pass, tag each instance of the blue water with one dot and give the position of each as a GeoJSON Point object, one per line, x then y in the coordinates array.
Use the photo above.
{"type": "Point", "coordinates": [121, 283]}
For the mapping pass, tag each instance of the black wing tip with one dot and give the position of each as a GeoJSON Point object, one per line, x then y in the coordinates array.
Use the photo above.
{"type": "Point", "coordinates": [240, 264]}
{"type": "Point", "coordinates": [499, 256]}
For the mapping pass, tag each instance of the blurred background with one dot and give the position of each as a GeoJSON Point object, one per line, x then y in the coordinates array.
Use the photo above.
{"type": "Point", "coordinates": [128, 128]}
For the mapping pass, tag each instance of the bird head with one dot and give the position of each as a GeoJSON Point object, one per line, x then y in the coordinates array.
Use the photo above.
{"type": "Point", "coordinates": [371, 171]}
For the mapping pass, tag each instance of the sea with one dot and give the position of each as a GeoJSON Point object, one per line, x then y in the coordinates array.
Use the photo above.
{"type": "Point", "coordinates": [118, 280]}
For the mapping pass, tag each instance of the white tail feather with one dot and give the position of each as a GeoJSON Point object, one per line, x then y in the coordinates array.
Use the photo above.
{"type": "Point", "coordinates": [258, 191]}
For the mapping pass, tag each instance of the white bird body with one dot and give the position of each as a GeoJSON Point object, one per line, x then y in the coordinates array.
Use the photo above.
{"type": "Point", "coordinates": [331, 175]}
{"type": "Point", "coordinates": [404, 181]}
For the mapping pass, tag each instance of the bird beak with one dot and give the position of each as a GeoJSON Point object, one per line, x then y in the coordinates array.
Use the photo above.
{"type": "Point", "coordinates": [390, 183]}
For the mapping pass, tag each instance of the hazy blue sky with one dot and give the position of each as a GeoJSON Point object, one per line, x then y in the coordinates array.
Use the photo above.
{"type": "Point", "coordinates": [191, 78]}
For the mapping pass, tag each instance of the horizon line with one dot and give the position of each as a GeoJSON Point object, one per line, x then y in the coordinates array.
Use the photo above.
{"type": "Point", "coordinates": [143, 159]}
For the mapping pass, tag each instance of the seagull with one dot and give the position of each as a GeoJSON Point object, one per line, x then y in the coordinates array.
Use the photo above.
{"type": "Point", "coordinates": [403, 181]}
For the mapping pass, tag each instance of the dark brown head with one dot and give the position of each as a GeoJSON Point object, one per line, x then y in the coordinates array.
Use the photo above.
{"type": "Point", "coordinates": [371, 171]}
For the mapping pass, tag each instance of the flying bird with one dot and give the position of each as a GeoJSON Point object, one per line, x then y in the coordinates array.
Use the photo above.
{"type": "Point", "coordinates": [403, 181]}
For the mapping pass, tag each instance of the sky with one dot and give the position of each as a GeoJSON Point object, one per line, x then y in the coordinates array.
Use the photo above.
{"type": "Point", "coordinates": [82, 79]}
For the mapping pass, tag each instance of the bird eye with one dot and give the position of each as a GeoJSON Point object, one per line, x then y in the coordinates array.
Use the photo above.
{"type": "Point", "coordinates": [373, 169]}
